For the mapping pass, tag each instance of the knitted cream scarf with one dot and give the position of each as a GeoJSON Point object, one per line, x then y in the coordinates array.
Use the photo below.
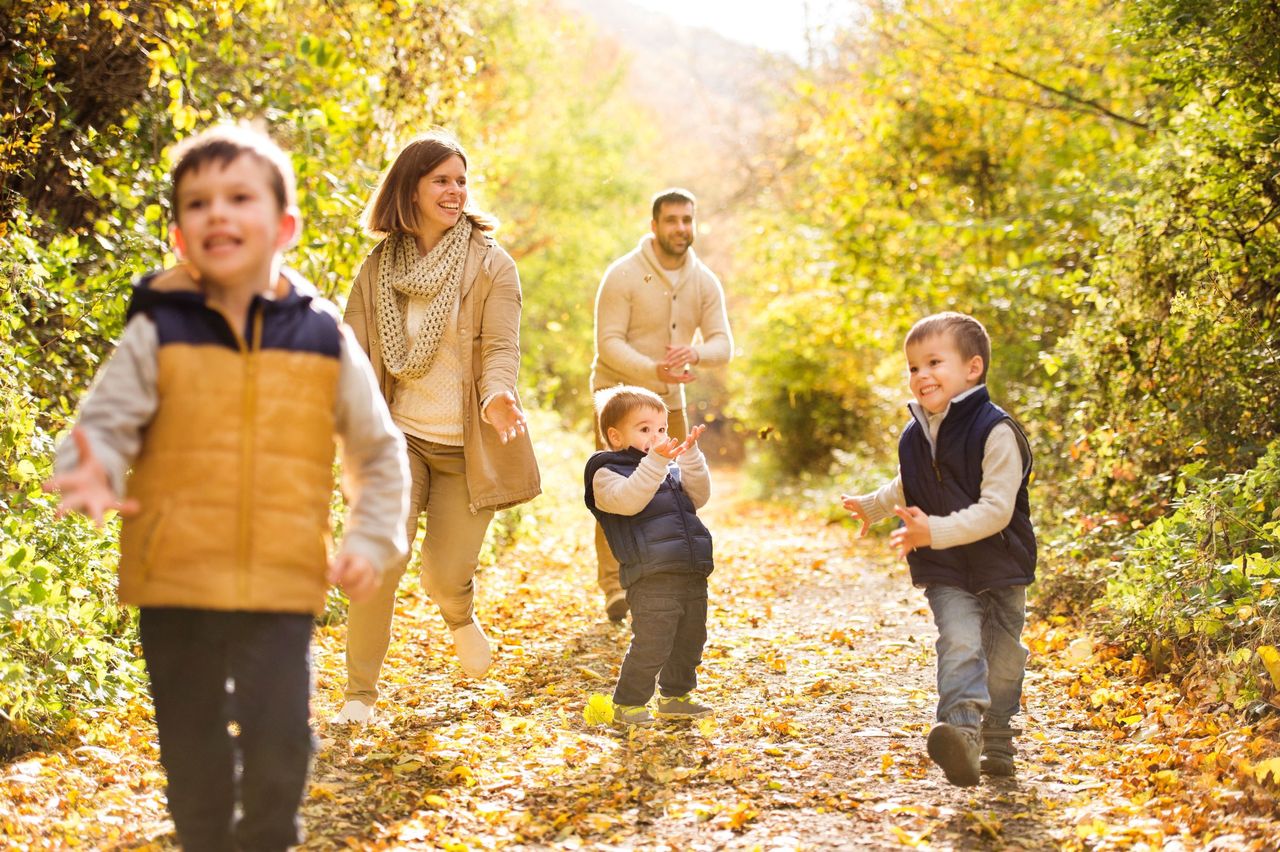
{"type": "Point", "coordinates": [403, 274]}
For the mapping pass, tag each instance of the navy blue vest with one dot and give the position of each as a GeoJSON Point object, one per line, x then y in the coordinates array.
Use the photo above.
{"type": "Point", "coordinates": [948, 479]}
{"type": "Point", "coordinates": [665, 536]}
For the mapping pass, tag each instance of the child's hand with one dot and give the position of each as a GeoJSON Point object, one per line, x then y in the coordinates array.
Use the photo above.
{"type": "Point", "coordinates": [854, 507]}
{"type": "Point", "coordinates": [87, 489]}
{"type": "Point", "coordinates": [694, 434]}
{"type": "Point", "coordinates": [915, 534]}
{"type": "Point", "coordinates": [670, 449]}
{"type": "Point", "coordinates": [354, 575]}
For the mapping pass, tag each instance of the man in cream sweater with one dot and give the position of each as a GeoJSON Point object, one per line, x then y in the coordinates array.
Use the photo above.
{"type": "Point", "coordinates": [653, 303]}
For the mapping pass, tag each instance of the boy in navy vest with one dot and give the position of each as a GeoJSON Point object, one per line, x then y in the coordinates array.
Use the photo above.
{"type": "Point", "coordinates": [961, 493]}
{"type": "Point", "coordinates": [644, 491]}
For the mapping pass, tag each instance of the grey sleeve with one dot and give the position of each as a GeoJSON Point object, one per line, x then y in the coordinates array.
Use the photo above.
{"type": "Point", "coordinates": [628, 495]}
{"type": "Point", "coordinates": [879, 505]}
{"type": "Point", "coordinates": [1003, 466]}
{"type": "Point", "coordinates": [695, 477]}
{"type": "Point", "coordinates": [375, 468]}
{"type": "Point", "coordinates": [118, 406]}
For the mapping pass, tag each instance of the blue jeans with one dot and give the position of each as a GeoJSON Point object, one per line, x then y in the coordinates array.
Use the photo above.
{"type": "Point", "coordinates": [192, 655]}
{"type": "Point", "coordinates": [669, 628]}
{"type": "Point", "coordinates": [981, 658]}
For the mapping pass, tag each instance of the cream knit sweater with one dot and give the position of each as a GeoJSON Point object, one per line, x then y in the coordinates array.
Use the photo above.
{"type": "Point", "coordinates": [430, 407]}
{"type": "Point", "coordinates": [642, 308]}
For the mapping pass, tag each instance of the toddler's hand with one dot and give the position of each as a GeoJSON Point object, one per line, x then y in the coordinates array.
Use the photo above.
{"type": "Point", "coordinates": [854, 507]}
{"type": "Point", "coordinates": [354, 575]}
{"type": "Point", "coordinates": [914, 534]}
{"type": "Point", "coordinates": [87, 489]}
{"type": "Point", "coordinates": [670, 449]}
{"type": "Point", "coordinates": [694, 434]}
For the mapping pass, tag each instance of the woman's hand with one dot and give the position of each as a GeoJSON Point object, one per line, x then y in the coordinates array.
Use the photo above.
{"type": "Point", "coordinates": [505, 416]}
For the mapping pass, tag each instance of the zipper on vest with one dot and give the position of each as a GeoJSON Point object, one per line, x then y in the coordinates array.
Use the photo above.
{"type": "Point", "coordinates": [248, 410]}
{"type": "Point", "coordinates": [936, 471]}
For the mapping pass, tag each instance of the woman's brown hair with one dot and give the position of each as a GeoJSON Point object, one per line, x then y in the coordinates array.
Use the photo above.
{"type": "Point", "coordinates": [391, 210]}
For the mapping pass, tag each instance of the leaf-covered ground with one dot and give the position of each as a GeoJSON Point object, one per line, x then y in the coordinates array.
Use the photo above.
{"type": "Point", "coordinates": [820, 668]}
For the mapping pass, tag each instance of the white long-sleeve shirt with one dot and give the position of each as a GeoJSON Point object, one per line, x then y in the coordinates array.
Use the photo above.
{"type": "Point", "coordinates": [628, 495]}
{"type": "Point", "coordinates": [1005, 461]}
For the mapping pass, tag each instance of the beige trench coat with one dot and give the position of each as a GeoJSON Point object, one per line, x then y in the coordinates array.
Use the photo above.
{"type": "Point", "coordinates": [498, 475]}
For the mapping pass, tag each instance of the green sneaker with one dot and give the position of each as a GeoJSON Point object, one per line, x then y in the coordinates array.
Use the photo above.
{"type": "Point", "coordinates": [680, 707]}
{"type": "Point", "coordinates": [629, 715]}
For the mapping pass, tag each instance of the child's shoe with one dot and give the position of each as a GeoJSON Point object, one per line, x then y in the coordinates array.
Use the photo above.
{"type": "Point", "coordinates": [353, 713]}
{"type": "Point", "coordinates": [631, 715]}
{"type": "Point", "coordinates": [998, 751]}
{"type": "Point", "coordinates": [956, 748]}
{"type": "Point", "coordinates": [472, 647]}
{"type": "Point", "coordinates": [680, 707]}
{"type": "Point", "coordinates": [615, 606]}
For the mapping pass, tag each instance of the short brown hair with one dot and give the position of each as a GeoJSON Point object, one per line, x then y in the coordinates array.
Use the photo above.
{"type": "Point", "coordinates": [614, 404]}
{"type": "Point", "coordinates": [391, 210]}
{"type": "Point", "coordinates": [225, 142]}
{"type": "Point", "coordinates": [674, 195]}
{"type": "Point", "coordinates": [969, 335]}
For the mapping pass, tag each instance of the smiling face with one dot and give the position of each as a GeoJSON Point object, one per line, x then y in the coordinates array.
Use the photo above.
{"type": "Point", "coordinates": [938, 372]}
{"type": "Point", "coordinates": [640, 429]}
{"type": "Point", "coordinates": [229, 224]}
{"type": "Point", "coordinates": [440, 196]}
{"type": "Point", "coordinates": [673, 230]}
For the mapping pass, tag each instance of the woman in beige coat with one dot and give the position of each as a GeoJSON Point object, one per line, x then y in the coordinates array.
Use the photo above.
{"type": "Point", "coordinates": [436, 306]}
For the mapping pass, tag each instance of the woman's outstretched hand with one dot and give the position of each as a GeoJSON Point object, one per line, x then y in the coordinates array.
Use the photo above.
{"type": "Point", "coordinates": [506, 417]}
{"type": "Point", "coordinates": [87, 489]}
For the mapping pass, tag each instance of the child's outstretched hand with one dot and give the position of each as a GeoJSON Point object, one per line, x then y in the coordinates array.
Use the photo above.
{"type": "Point", "coordinates": [915, 534]}
{"type": "Point", "coordinates": [854, 507]}
{"type": "Point", "coordinates": [694, 434]}
{"type": "Point", "coordinates": [354, 575]}
{"type": "Point", "coordinates": [87, 489]}
{"type": "Point", "coordinates": [670, 448]}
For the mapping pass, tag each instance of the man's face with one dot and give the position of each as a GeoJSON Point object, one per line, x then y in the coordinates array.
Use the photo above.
{"type": "Point", "coordinates": [673, 229]}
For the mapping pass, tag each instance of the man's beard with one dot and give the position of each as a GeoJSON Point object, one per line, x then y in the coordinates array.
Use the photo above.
{"type": "Point", "coordinates": [669, 247]}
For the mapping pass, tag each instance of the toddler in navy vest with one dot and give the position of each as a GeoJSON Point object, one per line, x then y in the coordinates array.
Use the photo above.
{"type": "Point", "coordinates": [961, 494]}
{"type": "Point", "coordinates": [644, 491]}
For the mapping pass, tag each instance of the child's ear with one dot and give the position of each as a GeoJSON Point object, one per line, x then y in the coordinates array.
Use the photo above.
{"type": "Point", "coordinates": [975, 367]}
{"type": "Point", "coordinates": [290, 229]}
{"type": "Point", "coordinates": [613, 437]}
{"type": "Point", "coordinates": [179, 242]}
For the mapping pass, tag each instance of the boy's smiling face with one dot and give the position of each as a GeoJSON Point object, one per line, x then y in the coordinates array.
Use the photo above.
{"type": "Point", "coordinates": [938, 372]}
{"type": "Point", "coordinates": [229, 225]}
{"type": "Point", "coordinates": [640, 429]}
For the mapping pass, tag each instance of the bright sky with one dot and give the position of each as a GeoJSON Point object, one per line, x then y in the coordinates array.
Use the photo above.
{"type": "Point", "coordinates": [773, 24]}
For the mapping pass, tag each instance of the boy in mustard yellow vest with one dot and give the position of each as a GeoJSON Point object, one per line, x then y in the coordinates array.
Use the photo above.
{"type": "Point", "coordinates": [212, 431]}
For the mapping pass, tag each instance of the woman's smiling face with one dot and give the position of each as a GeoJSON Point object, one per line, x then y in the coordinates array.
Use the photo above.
{"type": "Point", "coordinates": [441, 196]}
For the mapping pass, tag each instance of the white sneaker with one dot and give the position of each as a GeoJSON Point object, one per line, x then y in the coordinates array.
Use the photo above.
{"type": "Point", "coordinates": [353, 713]}
{"type": "Point", "coordinates": [472, 647]}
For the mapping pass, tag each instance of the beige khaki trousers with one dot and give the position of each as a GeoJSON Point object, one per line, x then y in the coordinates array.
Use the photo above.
{"type": "Point", "coordinates": [606, 565]}
{"type": "Point", "coordinates": [450, 551]}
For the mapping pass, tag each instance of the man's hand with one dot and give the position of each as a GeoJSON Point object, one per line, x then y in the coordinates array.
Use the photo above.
{"type": "Point", "coordinates": [678, 357]}
{"type": "Point", "coordinates": [915, 534]}
{"type": "Point", "coordinates": [87, 489]}
{"type": "Point", "coordinates": [354, 575]}
{"type": "Point", "coordinates": [854, 507]}
{"type": "Point", "coordinates": [666, 376]}
{"type": "Point", "coordinates": [505, 416]}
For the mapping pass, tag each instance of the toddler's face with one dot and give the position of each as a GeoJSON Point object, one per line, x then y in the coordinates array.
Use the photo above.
{"type": "Point", "coordinates": [640, 429]}
{"type": "Point", "coordinates": [938, 373]}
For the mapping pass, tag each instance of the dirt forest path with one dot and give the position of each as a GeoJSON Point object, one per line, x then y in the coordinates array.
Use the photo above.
{"type": "Point", "coordinates": [819, 666]}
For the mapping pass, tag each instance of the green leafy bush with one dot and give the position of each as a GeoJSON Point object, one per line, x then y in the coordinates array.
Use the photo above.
{"type": "Point", "coordinates": [1204, 577]}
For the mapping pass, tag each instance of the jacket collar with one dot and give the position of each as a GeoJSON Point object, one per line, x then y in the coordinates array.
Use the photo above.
{"type": "Point", "coordinates": [476, 252]}
{"type": "Point", "coordinates": [961, 405]}
{"type": "Point", "coordinates": [179, 285]}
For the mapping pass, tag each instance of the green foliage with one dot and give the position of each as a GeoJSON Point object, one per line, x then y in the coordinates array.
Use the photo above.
{"type": "Point", "coordinates": [1204, 577]}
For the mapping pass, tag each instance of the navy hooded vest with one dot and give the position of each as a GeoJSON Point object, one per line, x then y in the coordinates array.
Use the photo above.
{"type": "Point", "coordinates": [666, 536]}
{"type": "Point", "coordinates": [948, 478]}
